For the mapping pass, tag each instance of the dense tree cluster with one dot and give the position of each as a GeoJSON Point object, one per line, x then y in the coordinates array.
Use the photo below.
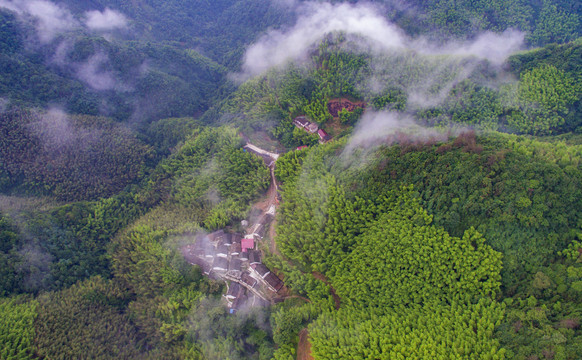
{"type": "Point", "coordinates": [17, 316]}
{"type": "Point", "coordinates": [72, 158]}
{"type": "Point", "coordinates": [456, 245]}
{"type": "Point", "coordinates": [432, 331]}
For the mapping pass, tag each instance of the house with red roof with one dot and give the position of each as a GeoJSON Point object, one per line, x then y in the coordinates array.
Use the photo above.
{"type": "Point", "coordinates": [323, 136]}
{"type": "Point", "coordinates": [248, 243]}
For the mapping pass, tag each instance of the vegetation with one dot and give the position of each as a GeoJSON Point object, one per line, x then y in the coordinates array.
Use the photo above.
{"type": "Point", "coordinates": [458, 239]}
{"type": "Point", "coordinates": [72, 158]}
{"type": "Point", "coordinates": [17, 329]}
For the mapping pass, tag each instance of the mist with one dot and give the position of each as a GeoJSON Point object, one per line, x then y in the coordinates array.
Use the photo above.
{"type": "Point", "coordinates": [92, 73]}
{"type": "Point", "coordinates": [105, 20]}
{"type": "Point", "coordinates": [277, 48]}
{"type": "Point", "coordinates": [48, 18]}
{"type": "Point", "coordinates": [376, 35]}
{"type": "Point", "coordinates": [387, 128]}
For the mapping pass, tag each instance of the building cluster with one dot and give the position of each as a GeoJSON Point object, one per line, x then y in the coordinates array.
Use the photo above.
{"type": "Point", "coordinates": [312, 128]}
{"type": "Point", "coordinates": [233, 257]}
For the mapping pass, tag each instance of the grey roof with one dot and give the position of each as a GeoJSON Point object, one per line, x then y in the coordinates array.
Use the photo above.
{"type": "Point", "coordinates": [301, 120]}
{"type": "Point", "coordinates": [220, 263]}
{"type": "Point", "coordinates": [260, 230]}
{"type": "Point", "coordinates": [235, 264]}
{"type": "Point", "coordinates": [222, 249]}
{"type": "Point", "coordinates": [261, 269]}
{"type": "Point", "coordinates": [247, 279]}
{"type": "Point", "coordinates": [236, 238]}
{"type": "Point", "coordinates": [204, 266]}
{"type": "Point", "coordinates": [227, 239]}
{"type": "Point", "coordinates": [244, 255]}
{"type": "Point", "coordinates": [254, 257]}
{"type": "Point", "coordinates": [217, 235]}
{"type": "Point", "coordinates": [234, 290]}
{"type": "Point", "coordinates": [235, 249]}
{"type": "Point", "coordinates": [273, 281]}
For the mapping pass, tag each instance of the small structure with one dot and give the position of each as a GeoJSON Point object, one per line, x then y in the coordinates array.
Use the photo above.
{"type": "Point", "coordinates": [301, 122]}
{"type": "Point", "coordinates": [222, 251]}
{"type": "Point", "coordinates": [273, 282]}
{"type": "Point", "coordinates": [244, 255]}
{"type": "Point", "coordinates": [248, 243]}
{"type": "Point", "coordinates": [260, 270]}
{"type": "Point", "coordinates": [204, 266]}
{"type": "Point", "coordinates": [254, 257]}
{"type": "Point", "coordinates": [192, 251]}
{"type": "Point", "coordinates": [235, 290]}
{"type": "Point", "coordinates": [302, 147]}
{"type": "Point", "coordinates": [235, 264]}
{"type": "Point", "coordinates": [235, 249]}
{"type": "Point", "coordinates": [312, 128]}
{"type": "Point", "coordinates": [248, 280]}
{"type": "Point", "coordinates": [323, 136]}
{"type": "Point", "coordinates": [236, 238]}
{"type": "Point", "coordinates": [216, 236]}
{"type": "Point", "coordinates": [227, 240]}
{"type": "Point", "coordinates": [244, 223]}
{"type": "Point", "coordinates": [220, 264]}
{"type": "Point", "coordinates": [237, 303]}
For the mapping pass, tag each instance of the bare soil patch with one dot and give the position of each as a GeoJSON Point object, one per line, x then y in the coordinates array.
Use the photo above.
{"type": "Point", "coordinates": [334, 106]}
{"type": "Point", "coordinates": [304, 346]}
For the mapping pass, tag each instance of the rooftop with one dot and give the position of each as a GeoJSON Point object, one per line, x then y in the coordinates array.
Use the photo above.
{"type": "Point", "coordinates": [261, 269]}
{"type": "Point", "coordinates": [247, 243]}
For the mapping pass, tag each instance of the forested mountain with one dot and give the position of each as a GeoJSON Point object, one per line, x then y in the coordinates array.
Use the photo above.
{"type": "Point", "coordinates": [423, 160]}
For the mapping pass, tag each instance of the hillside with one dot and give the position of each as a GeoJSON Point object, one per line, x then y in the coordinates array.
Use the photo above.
{"type": "Point", "coordinates": [290, 179]}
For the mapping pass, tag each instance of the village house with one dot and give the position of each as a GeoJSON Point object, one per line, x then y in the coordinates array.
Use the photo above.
{"type": "Point", "coordinates": [259, 271]}
{"type": "Point", "coordinates": [220, 264]}
{"type": "Point", "coordinates": [235, 264]}
{"type": "Point", "coordinates": [235, 290]}
{"type": "Point", "coordinates": [259, 231]}
{"type": "Point", "coordinates": [237, 304]}
{"type": "Point", "coordinates": [254, 257]}
{"type": "Point", "coordinates": [312, 128]}
{"type": "Point", "coordinates": [227, 239]}
{"type": "Point", "coordinates": [204, 266]}
{"type": "Point", "coordinates": [208, 255]}
{"type": "Point", "coordinates": [323, 136]}
{"type": "Point", "coordinates": [235, 249]}
{"type": "Point", "coordinates": [301, 122]}
{"type": "Point", "coordinates": [244, 255]}
{"type": "Point", "coordinates": [222, 251]}
{"type": "Point", "coordinates": [248, 243]}
{"type": "Point", "coordinates": [248, 280]}
{"type": "Point", "coordinates": [191, 251]}
{"type": "Point", "coordinates": [216, 236]}
{"type": "Point", "coordinates": [273, 282]}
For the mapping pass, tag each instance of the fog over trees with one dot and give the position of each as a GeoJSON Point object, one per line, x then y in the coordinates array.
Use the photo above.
{"type": "Point", "coordinates": [288, 179]}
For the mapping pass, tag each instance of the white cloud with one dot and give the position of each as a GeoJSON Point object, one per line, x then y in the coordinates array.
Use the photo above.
{"type": "Point", "coordinates": [489, 45]}
{"type": "Point", "coordinates": [316, 19]}
{"type": "Point", "coordinates": [387, 128]}
{"type": "Point", "coordinates": [91, 73]}
{"type": "Point", "coordinates": [105, 20]}
{"type": "Point", "coordinates": [276, 48]}
{"type": "Point", "coordinates": [49, 18]}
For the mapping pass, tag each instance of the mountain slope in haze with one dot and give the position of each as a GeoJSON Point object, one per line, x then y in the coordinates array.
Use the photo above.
{"type": "Point", "coordinates": [437, 216]}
